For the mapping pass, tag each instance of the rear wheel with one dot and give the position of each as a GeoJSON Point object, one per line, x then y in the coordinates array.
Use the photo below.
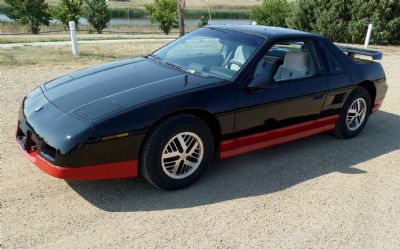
{"type": "Point", "coordinates": [177, 152]}
{"type": "Point", "coordinates": [355, 114]}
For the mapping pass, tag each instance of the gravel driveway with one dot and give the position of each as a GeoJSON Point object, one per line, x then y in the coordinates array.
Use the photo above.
{"type": "Point", "coordinates": [319, 192]}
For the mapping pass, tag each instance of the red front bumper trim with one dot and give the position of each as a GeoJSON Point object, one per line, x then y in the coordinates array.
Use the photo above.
{"type": "Point", "coordinates": [117, 170]}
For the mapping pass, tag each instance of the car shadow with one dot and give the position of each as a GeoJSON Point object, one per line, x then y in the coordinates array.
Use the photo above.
{"type": "Point", "coordinates": [257, 173]}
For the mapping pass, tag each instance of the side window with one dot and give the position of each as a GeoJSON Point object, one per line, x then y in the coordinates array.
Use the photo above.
{"type": "Point", "coordinates": [287, 60]}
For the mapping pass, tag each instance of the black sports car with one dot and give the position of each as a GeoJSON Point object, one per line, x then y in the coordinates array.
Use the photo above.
{"type": "Point", "coordinates": [220, 90]}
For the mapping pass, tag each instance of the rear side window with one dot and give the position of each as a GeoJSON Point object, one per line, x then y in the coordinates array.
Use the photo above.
{"type": "Point", "coordinates": [332, 65]}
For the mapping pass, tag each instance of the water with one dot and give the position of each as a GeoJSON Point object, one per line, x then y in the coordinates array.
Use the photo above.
{"type": "Point", "coordinates": [143, 22]}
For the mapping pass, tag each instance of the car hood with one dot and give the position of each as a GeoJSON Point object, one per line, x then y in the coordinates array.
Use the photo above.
{"type": "Point", "coordinates": [95, 92]}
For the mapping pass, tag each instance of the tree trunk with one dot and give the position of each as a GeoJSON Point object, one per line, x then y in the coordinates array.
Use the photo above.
{"type": "Point", "coordinates": [181, 8]}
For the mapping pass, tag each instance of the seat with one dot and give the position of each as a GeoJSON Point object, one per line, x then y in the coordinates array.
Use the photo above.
{"type": "Point", "coordinates": [242, 54]}
{"type": "Point", "coordinates": [297, 64]}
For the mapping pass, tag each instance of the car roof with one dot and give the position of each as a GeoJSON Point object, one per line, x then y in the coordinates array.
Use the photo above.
{"type": "Point", "coordinates": [265, 31]}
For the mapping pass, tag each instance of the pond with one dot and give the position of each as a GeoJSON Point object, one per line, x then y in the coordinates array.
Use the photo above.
{"type": "Point", "coordinates": [143, 21]}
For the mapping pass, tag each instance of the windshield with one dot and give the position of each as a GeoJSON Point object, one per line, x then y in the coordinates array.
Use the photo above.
{"type": "Point", "coordinates": [210, 51]}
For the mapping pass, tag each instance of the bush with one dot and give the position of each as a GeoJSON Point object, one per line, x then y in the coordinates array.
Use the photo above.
{"type": "Point", "coordinates": [303, 15]}
{"type": "Point", "coordinates": [164, 13]}
{"type": "Point", "coordinates": [347, 21]}
{"type": "Point", "coordinates": [33, 12]}
{"type": "Point", "coordinates": [68, 10]}
{"type": "Point", "coordinates": [203, 21]}
{"type": "Point", "coordinates": [96, 11]}
{"type": "Point", "coordinates": [333, 19]}
{"type": "Point", "coordinates": [383, 14]}
{"type": "Point", "coordinates": [272, 12]}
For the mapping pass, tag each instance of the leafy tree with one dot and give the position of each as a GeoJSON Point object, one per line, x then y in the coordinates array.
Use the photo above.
{"type": "Point", "coordinates": [303, 15]}
{"type": "Point", "coordinates": [32, 12]}
{"type": "Point", "coordinates": [164, 13]}
{"type": "Point", "coordinates": [203, 21]}
{"type": "Point", "coordinates": [383, 14]}
{"type": "Point", "coordinates": [68, 10]}
{"type": "Point", "coordinates": [347, 21]}
{"type": "Point", "coordinates": [271, 12]}
{"type": "Point", "coordinates": [97, 14]}
{"type": "Point", "coordinates": [333, 19]}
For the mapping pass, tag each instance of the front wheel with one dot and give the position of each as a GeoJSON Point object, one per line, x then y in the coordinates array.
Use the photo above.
{"type": "Point", "coordinates": [176, 152]}
{"type": "Point", "coordinates": [355, 114]}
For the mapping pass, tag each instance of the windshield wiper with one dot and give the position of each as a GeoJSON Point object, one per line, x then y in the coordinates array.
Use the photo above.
{"type": "Point", "coordinates": [177, 66]}
{"type": "Point", "coordinates": [156, 57]}
{"type": "Point", "coordinates": [187, 70]}
{"type": "Point", "coordinates": [198, 73]}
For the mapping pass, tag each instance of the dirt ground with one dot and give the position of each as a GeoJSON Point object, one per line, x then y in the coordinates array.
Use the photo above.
{"type": "Point", "coordinates": [319, 192]}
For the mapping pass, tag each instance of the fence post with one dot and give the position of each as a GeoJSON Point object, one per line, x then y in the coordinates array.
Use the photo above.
{"type": "Point", "coordinates": [366, 43]}
{"type": "Point", "coordinates": [74, 43]}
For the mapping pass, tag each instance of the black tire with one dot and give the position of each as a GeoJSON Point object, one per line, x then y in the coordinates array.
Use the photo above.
{"type": "Point", "coordinates": [342, 130]}
{"type": "Point", "coordinates": [151, 158]}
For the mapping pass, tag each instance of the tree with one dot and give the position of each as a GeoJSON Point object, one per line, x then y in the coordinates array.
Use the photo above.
{"type": "Point", "coordinates": [271, 12]}
{"type": "Point", "coordinates": [383, 14]}
{"type": "Point", "coordinates": [97, 14]}
{"type": "Point", "coordinates": [303, 15]}
{"type": "Point", "coordinates": [32, 12]}
{"type": "Point", "coordinates": [203, 21]}
{"type": "Point", "coordinates": [333, 19]}
{"type": "Point", "coordinates": [68, 10]}
{"type": "Point", "coordinates": [181, 9]}
{"type": "Point", "coordinates": [163, 12]}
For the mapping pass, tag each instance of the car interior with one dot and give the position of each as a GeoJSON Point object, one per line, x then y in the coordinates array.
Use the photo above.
{"type": "Point", "coordinates": [284, 61]}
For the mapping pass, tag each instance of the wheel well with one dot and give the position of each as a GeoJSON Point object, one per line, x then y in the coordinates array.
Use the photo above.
{"type": "Point", "coordinates": [370, 88]}
{"type": "Point", "coordinates": [209, 119]}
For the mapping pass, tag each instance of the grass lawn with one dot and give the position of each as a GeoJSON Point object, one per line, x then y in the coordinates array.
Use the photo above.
{"type": "Point", "coordinates": [89, 54]}
{"type": "Point", "coordinates": [57, 38]}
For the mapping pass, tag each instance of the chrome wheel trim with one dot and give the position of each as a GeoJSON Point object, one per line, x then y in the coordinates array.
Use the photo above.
{"type": "Point", "coordinates": [182, 155]}
{"type": "Point", "coordinates": [356, 114]}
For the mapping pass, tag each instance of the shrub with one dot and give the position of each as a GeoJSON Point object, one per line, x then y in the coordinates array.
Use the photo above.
{"type": "Point", "coordinates": [333, 17]}
{"type": "Point", "coordinates": [303, 15]}
{"type": "Point", "coordinates": [383, 14]}
{"type": "Point", "coordinates": [164, 13]}
{"type": "Point", "coordinates": [96, 11]}
{"type": "Point", "coordinates": [68, 10]}
{"type": "Point", "coordinates": [271, 12]}
{"type": "Point", "coordinates": [347, 21]}
{"type": "Point", "coordinates": [33, 12]}
{"type": "Point", "coordinates": [203, 21]}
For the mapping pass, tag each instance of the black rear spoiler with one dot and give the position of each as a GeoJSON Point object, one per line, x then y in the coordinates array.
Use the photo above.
{"type": "Point", "coordinates": [351, 51]}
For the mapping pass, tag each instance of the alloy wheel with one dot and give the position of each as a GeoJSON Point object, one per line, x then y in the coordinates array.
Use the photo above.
{"type": "Point", "coordinates": [356, 114]}
{"type": "Point", "coordinates": [182, 155]}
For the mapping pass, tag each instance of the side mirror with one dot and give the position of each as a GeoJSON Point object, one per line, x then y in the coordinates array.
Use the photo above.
{"type": "Point", "coordinates": [262, 82]}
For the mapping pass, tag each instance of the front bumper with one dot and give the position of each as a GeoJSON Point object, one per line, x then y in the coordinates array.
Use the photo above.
{"type": "Point", "coordinates": [116, 170]}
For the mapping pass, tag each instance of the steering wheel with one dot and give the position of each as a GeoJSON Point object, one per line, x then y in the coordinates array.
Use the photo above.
{"type": "Point", "coordinates": [234, 62]}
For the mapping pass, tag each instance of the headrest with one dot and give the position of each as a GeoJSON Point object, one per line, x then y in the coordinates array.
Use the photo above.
{"type": "Point", "coordinates": [297, 61]}
{"type": "Point", "coordinates": [244, 52]}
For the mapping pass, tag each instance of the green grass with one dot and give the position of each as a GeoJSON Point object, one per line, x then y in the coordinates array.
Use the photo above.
{"type": "Point", "coordinates": [9, 40]}
{"type": "Point", "coordinates": [89, 54]}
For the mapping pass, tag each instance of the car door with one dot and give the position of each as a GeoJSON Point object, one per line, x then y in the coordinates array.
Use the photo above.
{"type": "Point", "coordinates": [284, 108]}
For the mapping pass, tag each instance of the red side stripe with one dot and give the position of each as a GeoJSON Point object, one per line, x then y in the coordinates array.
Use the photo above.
{"type": "Point", "coordinates": [126, 169]}
{"type": "Point", "coordinates": [377, 105]}
{"type": "Point", "coordinates": [266, 139]}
